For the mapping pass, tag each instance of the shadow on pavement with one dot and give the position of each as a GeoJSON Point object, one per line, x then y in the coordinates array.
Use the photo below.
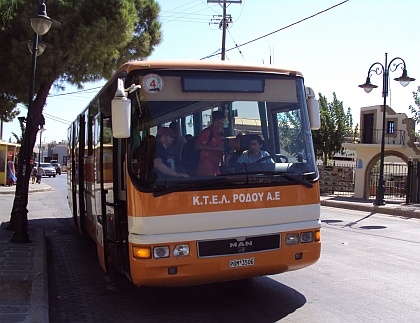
{"type": "Point", "coordinates": [80, 291]}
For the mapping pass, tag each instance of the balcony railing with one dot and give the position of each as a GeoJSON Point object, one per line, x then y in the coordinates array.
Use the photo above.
{"type": "Point", "coordinates": [396, 138]}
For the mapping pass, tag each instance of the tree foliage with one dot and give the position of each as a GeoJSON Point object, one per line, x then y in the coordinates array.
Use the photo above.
{"type": "Point", "coordinates": [351, 132]}
{"type": "Point", "coordinates": [6, 9]}
{"type": "Point", "coordinates": [19, 139]}
{"type": "Point", "coordinates": [94, 39]}
{"type": "Point", "coordinates": [329, 138]}
{"type": "Point", "coordinates": [416, 111]}
{"type": "Point", "coordinates": [289, 125]}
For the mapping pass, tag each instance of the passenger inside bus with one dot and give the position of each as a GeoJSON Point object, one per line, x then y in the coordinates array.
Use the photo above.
{"type": "Point", "coordinates": [176, 148]}
{"type": "Point", "coordinates": [162, 165]}
{"type": "Point", "coordinates": [255, 153]}
{"type": "Point", "coordinates": [145, 151]}
{"type": "Point", "coordinates": [210, 142]}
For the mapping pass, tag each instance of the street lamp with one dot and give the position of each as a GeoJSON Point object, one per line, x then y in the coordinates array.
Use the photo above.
{"type": "Point", "coordinates": [41, 130]}
{"type": "Point", "coordinates": [41, 24]}
{"type": "Point", "coordinates": [368, 87]}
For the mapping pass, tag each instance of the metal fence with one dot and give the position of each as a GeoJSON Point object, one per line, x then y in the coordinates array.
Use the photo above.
{"type": "Point", "coordinates": [413, 183]}
{"type": "Point", "coordinates": [395, 178]}
{"type": "Point", "coordinates": [396, 138]}
{"type": "Point", "coordinates": [402, 181]}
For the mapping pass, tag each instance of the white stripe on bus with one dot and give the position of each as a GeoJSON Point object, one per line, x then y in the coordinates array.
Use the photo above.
{"type": "Point", "coordinates": [197, 224]}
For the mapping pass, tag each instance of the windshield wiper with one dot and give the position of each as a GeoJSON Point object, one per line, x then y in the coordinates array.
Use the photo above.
{"type": "Point", "coordinates": [296, 179]}
{"type": "Point", "coordinates": [185, 184]}
{"type": "Point", "coordinates": [252, 176]}
{"type": "Point", "coordinates": [229, 179]}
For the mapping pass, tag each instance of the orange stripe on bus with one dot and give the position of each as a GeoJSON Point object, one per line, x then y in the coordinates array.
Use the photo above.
{"type": "Point", "coordinates": [141, 204]}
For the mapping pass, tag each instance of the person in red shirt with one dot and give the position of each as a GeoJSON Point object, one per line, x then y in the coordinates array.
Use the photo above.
{"type": "Point", "coordinates": [210, 142]}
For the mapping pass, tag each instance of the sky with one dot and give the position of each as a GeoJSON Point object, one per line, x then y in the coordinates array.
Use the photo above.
{"type": "Point", "coordinates": [333, 49]}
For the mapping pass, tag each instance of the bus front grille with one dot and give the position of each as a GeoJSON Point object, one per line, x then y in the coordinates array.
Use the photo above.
{"type": "Point", "coordinates": [240, 245]}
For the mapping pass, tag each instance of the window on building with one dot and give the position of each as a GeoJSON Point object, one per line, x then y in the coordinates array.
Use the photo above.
{"type": "Point", "coordinates": [391, 127]}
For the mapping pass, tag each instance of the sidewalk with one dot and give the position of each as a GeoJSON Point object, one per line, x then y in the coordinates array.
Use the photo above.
{"type": "Point", "coordinates": [396, 208]}
{"type": "Point", "coordinates": [23, 270]}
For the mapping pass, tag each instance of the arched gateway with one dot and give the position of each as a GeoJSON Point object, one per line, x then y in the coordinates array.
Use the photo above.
{"type": "Point", "coordinates": [400, 147]}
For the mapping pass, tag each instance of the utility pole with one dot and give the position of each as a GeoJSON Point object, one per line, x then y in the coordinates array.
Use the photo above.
{"type": "Point", "coordinates": [224, 22]}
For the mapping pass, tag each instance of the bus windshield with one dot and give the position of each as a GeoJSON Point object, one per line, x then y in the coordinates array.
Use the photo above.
{"type": "Point", "coordinates": [263, 129]}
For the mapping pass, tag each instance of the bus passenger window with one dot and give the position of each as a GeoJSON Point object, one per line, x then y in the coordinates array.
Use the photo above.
{"type": "Point", "coordinates": [143, 168]}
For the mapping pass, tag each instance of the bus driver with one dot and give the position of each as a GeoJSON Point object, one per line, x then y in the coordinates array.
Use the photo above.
{"type": "Point", "coordinates": [254, 152]}
{"type": "Point", "coordinates": [165, 138]}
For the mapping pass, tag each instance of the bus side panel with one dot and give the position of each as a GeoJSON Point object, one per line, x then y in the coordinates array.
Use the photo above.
{"type": "Point", "coordinates": [90, 222]}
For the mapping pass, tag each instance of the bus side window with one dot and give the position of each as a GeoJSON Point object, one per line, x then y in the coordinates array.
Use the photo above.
{"type": "Point", "coordinates": [143, 169]}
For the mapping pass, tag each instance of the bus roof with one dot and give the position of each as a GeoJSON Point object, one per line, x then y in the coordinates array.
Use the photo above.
{"type": "Point", "coordinates": [194, 65]}
{"type": "Point", "coordinates": [204, 65]}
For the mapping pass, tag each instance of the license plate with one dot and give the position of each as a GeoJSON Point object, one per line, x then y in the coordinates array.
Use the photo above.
{"type": "Point", "coordinates": [241, 262]}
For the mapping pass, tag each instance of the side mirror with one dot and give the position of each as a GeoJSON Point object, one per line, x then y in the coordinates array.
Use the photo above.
{"type": "Point", "coordinates": [121, 113]}
{"type": "Point", "coordinates": [313, 109]}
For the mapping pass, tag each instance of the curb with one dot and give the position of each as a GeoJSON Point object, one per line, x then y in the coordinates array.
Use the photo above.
{"type": "Point", "coordinates": [397, 210]}
{"type": "Point", "coordinates": [24, 263]}
{"type": "Point", "coordinates": [39, 309]}
{"type": "Point", "coordinates": [12, 189]}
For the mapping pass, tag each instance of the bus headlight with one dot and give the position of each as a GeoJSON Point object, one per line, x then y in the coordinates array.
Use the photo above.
{"type": "Point", "coordinates": [292, 238]}
{"type": "Point", "coordinates": [181, 250]}
{"type": "Point", "coordinates": [306, 237]}
{"type": "Point", "coordinates": [161, 252]}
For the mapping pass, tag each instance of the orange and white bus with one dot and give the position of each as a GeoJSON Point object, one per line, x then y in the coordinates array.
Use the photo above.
{"type": "Point", "coordinates": [249, 219]}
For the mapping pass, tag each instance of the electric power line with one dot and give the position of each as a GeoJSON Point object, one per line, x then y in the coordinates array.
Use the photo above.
{"type": "Point", "coordinates": [269, 34]}
{"type": "Point", "coordinates": [49, 116]}
{"type": "Point", "coordinates": [236, 46]}
{"type": "Point", "coordinates": [80, 91]}
{"type": "Point", "coordinates": [186, 14]}
{"type": "Point", "coordinates": [56, 119]}
{"type": "Point", "coordinates": [240, 14]}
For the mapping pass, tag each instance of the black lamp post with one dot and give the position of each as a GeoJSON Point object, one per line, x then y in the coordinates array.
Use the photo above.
{"type": "Point", "coordinates": [41, 24]}
{"type": "Point", "coordinates": [41, 130]}
{"type": "Point", "coordinates": [368, 87]}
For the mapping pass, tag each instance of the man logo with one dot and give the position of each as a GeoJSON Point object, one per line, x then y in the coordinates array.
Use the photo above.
{"type": "Point", "coordinates": [240, 244]}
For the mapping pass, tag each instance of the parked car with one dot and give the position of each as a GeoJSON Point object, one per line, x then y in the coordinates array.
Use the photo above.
{"type": "Point", "coordinates": [57, 166]}
{"type": "Point", "coordinates": [49, 169]}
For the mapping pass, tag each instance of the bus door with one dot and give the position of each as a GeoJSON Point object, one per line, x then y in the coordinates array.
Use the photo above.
{"type": "Point", "coordinates": [113, 223]}
{"type": "Point", "coordinates": [79, 174]}
{"type": "Point", "coordinates": [71, 187]}
{"type": "Point", "coordinates": [89, 177]}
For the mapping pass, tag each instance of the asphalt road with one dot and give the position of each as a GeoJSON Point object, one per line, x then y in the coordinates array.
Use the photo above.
{"type": "Point", "coordinates": [368, 272]}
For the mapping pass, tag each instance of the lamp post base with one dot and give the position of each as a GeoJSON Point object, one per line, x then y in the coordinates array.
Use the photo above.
{"type": "Point", "coordinates": [379, 203]}
{"type": "Point", "coordinates": [380, 192]}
